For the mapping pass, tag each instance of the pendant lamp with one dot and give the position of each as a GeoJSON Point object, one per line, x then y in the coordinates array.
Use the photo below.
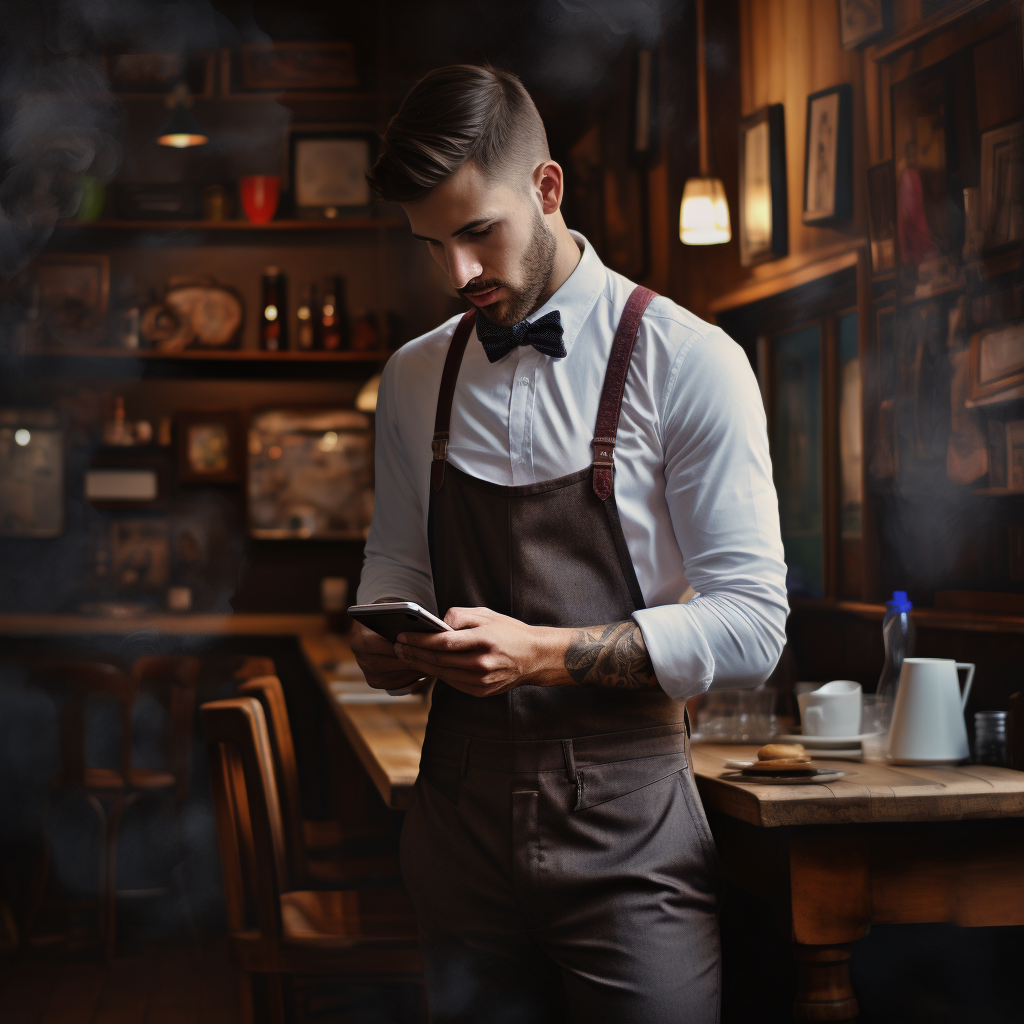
{"type": "Point", "coordinates": [181, 129]}
{"type": "Point", "coordinates": [704, 213]}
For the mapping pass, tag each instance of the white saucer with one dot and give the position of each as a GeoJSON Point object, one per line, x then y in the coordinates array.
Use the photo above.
{"type": "Point", "coordinates": [799, 780]}
{"type": "Point", "coordinates": [821, 741]}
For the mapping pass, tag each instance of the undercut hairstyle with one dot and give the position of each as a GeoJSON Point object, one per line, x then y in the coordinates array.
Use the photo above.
{"type": "Point", "coordinates": [451, 116]}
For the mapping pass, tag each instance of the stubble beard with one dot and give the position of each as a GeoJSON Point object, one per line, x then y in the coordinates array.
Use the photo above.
{"type": "Point", "coordinates": [537, 266]}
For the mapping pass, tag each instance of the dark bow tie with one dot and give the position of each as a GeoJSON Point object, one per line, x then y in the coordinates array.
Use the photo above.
{"type": "Point", "coordinates": [545, 335]}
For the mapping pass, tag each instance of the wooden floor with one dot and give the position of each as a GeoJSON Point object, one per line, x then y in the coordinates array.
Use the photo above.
{"type": "Point", "coordinates": [159, 986]}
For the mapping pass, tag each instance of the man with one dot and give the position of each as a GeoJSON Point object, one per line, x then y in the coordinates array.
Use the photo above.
{"type": "Point", "coordinates": [548, 466]}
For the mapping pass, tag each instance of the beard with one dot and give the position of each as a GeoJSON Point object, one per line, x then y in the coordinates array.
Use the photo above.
{"type": "Point", "coordinates": [535, 270]}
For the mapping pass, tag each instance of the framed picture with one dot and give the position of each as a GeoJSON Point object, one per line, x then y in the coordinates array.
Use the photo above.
{"type": "Point", "coordinates": [73, 295]}
{"type": "Point", "coordinates": [327, 172]}
{"type": "Point", "coordinates": [1002, 184]}
{"type": "Point", "coordinates": [158, 73]}
{"type": "Point", "coordinates": [121, 479]}
{"type": "Point", "coordinates": [139, 554]}
{"type": "Point", "coordinates": [828, 156]}
{"type": "Point", "coordinates": [997, 360]}
{"type": "Point", "coordinates": [882, 216]}
{"type": "Point", "coordinates": [860, 21]}
{"type": "Point", "coordinates": [882, 441]}
{"type": "Point", "coordinates": [208, 447]}
{"type": "Point", "coordinates": [310, 474]}
{"type": "Point", "coordinates": [31, 473]}
{"type": "Point", "coordinates": [764, 231]}
{"type": "Point", "coordinates": [312, 65]}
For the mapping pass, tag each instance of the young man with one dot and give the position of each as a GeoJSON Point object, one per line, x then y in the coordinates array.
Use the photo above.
{"type": "Point", "coordinates": [556, 850]}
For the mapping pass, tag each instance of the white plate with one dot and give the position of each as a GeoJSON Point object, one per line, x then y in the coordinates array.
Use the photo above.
{"type": "Point", "coordinates": [821, 741]}
{"type": "Point", "coordinates": [800, 780]}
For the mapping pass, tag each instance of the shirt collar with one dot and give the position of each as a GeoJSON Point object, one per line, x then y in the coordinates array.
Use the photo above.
{"type": "Point", "coordinates": [576, 297]}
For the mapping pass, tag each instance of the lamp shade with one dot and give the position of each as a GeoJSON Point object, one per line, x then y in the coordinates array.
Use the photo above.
{"type": "Point", "coordinates": [704, 213]}
{"type": "Point", "coordinates": [181, 130]}
{"type": "Point", "coordinates": [366, 400]}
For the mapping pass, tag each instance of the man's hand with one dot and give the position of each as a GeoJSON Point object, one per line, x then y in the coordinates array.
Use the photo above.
{"type": "Point", "coordinates": [487, 653]}
{"type": "Point", "coordinates": [376, 657]}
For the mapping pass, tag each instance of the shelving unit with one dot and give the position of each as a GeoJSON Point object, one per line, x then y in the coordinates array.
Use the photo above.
{"type": "Point", "coordinates": [341, 224]}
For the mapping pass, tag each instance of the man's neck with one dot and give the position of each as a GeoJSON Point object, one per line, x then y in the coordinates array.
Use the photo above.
{"type": "Point", "coordinates": [567, 257]}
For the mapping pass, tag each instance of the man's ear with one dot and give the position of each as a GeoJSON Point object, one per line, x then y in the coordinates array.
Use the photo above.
{"type": "Point", "coordinates": [548, 185]}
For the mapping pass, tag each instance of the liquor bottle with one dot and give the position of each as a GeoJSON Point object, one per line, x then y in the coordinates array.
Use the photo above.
{"type": "Point", "coordinates": [307, 321]}
{"type": "Point", "coordinates": [273, 320]}
{"type": "Point", "coordinates": [364, 332]}
{"type": "Point", "coordinates": [334, 328]}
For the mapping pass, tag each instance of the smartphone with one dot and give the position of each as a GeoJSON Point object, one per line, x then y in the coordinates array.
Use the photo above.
{"type": "Point", "coordinates": [389, 618]}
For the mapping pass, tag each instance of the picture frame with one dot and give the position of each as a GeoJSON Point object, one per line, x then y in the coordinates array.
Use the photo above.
{"type": "Point", "coordinates": [327, 172]}
{"type": "Point", "coordinates": [763, 209]}
{"type": "Point", "coordinates": [310, 474]}
{"type": "Point", "coordinates": [139, 554]}
{"type": "Point", "coordinates": [158, 73]}
{"type": "Point", "coordinates": [861, 22]}
{"type": "Point", "coordinates": [882, 217]}
{"type": "Point", "coordinates": [32, 469]}
{"type": "Point", "coordinates": [828, 156]}
{"type": "Point", "coordinates": [208, 447]}
{"type": "Point", "coordinates": [1002, 185]}
{"type": "Point", "coordinates": [323, 65]}
{"type": "Point", "coordinates": [121, 479]}
{"type": "Point", "coordinates": [996, 361]}
{"type": "Point", "coordinates": [74, 292]}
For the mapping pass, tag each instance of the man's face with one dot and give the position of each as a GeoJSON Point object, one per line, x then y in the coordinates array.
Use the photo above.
{"type": "Point", "coordinates": [491, 239]}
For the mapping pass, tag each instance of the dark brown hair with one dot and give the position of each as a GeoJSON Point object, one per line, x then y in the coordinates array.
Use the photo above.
{"type": "Point", "coordinates": [453, 115]}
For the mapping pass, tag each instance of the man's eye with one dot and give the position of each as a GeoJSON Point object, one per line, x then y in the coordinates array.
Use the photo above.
{"type": "Point", "coordinates": [480, 234]}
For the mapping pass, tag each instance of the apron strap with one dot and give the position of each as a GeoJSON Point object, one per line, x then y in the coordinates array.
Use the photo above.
{"type": "Point", "coordinates": [445, 396]}
{"type": "Point", "coordinates": [614, 386]}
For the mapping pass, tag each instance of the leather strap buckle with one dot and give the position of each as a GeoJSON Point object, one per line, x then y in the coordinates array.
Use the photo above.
{"type": "Point", "coordinates": [439, 446]}
{"type": "Point", "coordinates": [604, 450]}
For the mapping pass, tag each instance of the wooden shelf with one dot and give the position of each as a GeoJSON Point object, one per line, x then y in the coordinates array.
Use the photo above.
{"type": "Point", "coordinates": [341, 224]}
{"type": "Point", "coordinates": [998, 492]}
{"type": "Point", "coordinates": [925, 618]}
{"type": "Point", "coordinates": [187, 624]}
{"type": "Point", "coordinates": [229, 355]}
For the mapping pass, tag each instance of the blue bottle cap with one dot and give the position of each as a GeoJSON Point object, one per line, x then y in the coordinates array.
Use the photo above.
{"type": "Point", "coordinates": [899, 603]}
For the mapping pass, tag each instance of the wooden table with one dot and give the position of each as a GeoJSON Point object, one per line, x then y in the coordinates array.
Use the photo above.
{"type": "Point", "coordinates": [885, 844]}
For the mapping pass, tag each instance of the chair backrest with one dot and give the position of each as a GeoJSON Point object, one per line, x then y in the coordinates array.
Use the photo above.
{"type": "Point", "coordinates": [71, 684]}
{"type": "Point", "coordinates": [270, 693]}
{"type": "Point", "coordinates": [177, 677]}
{"type": "Point", "coordinates": [249, 831]}
{"type": "Point", "coordinates": [250, 666]}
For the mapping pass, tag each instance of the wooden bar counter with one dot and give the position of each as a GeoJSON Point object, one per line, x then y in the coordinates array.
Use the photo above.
{"type": "Point", "coordinates": [885, 844]}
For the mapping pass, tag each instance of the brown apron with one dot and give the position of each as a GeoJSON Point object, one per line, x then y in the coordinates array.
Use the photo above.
{"type": "Point", "coordinates": [557, 853]}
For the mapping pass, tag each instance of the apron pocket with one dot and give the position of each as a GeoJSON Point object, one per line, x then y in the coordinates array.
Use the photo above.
{"type": "Point", "coordinates": [599, 783]}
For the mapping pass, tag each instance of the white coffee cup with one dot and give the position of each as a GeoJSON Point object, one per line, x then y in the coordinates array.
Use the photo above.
{"type": "Point", "coordinates": [831, 710]}
{"type": "Point", "coordinates": [928, 717]}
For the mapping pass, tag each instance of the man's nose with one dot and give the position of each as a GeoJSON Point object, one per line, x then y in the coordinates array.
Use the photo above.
{"type": "Point", "coordinates": [463, 266]}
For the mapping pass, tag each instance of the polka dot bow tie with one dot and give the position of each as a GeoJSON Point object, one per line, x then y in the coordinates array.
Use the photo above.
{"type": "Point", "coordinates": [545, 335]}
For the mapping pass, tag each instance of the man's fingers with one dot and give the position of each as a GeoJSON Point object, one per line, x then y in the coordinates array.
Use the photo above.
{"type": "Point", "coordinates": [454, 640]}
{"type": "Point", "coordinates": [466, 618]}
{"type": "Point", "coordinates": [471, 660]}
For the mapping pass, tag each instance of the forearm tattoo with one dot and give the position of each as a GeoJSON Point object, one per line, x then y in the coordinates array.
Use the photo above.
{"type": "Point", "coordinates": [613, 655]}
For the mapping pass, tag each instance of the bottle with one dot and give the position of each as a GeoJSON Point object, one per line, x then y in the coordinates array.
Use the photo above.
{"type": "Point", "coordinates": [273, 330]}
{"type": "Point", "coordinates": [364, 332]}
{"type": "Point", "coordinates": [898, 635]}
{"type": "Point", "coordinates": [306, 321]}
{"type": "Point", "coordinates": [334, 330]}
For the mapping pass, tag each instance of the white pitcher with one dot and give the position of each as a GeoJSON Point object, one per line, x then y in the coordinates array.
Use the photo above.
{"type": "Point", "coordinates": [928, 719]}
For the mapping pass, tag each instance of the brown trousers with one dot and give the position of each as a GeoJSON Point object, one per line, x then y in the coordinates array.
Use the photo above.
{"type": "Point", "coordinates": [535, 911]}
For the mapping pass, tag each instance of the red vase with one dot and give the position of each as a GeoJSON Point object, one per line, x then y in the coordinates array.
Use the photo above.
{"type": "Point", "coordinates": [260, 193]}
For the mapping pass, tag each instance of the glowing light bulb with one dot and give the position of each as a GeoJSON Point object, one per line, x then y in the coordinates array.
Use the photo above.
{"type": "Point", "coordinates": [704, 213]}
{"type": "Point", "coordinates": [22, 437]}
{"type": "Point", "coordinates": [270, 312]}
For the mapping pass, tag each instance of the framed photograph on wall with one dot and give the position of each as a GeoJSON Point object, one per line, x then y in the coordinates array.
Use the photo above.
{"type": "Point", "coordinates": [882, 216]}
{"type": "Point", "coordinates": [31, 473]}
{"type": "Point", "coordinates": [208, 447]}
{"type": "Point", "coordinates": [1002, 184]}
{"type": "Point", "coordinates": [828, 156]}
{"type": "Point", "coordinates": [997, 361]}
{"type": "Point", "coordinates": [860, 22]}
{"type": "Point", "coordinates": [764, 230]}
{"type": "Point", "coordinates": [73, 294]}
{"type": "Point", "coordinates": [327, 173]}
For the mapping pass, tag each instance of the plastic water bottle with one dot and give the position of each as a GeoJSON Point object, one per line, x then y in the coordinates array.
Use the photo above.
{"type": "Point", "coordinates": [898, 636]}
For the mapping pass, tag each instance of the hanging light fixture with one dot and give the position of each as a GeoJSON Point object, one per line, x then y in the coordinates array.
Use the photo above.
{"type": "Point", "coordinates": [181, 129]}
{"type": "Point", "coordinates": [704, 213]}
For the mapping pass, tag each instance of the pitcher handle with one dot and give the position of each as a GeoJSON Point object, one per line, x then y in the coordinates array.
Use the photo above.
{"type": "Point", "coordinates": [969, 665]}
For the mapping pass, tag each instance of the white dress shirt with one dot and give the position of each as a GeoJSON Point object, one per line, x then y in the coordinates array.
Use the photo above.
{"type": "Point", "coordinates": [693, 479]}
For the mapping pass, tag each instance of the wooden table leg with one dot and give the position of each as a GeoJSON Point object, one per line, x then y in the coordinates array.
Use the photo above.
{"type": "Point", "coordinates": [823, 983]}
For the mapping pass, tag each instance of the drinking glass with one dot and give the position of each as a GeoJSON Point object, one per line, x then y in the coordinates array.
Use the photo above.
{"type": "Point", "coordinates": [876, 717]}
{"type": "Point", "coordinates": [736, 716]}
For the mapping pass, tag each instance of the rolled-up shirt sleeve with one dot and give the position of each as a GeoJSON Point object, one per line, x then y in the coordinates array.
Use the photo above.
{"type": "Point", "coordinates": [725, 514]}
{"type": "Point", "coordinates": [397, 559]}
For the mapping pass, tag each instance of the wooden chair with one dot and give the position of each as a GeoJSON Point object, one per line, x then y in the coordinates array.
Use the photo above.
{"type": "Point", "coordinates": [320, 853]}
{"type": "Point", "coordinates": [275, 931]}
{"type": "Point", "coordinates": [108, 791]}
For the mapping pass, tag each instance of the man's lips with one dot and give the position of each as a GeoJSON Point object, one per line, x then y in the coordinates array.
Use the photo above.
{"type": "Point", "coordinates": [484, 298]}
